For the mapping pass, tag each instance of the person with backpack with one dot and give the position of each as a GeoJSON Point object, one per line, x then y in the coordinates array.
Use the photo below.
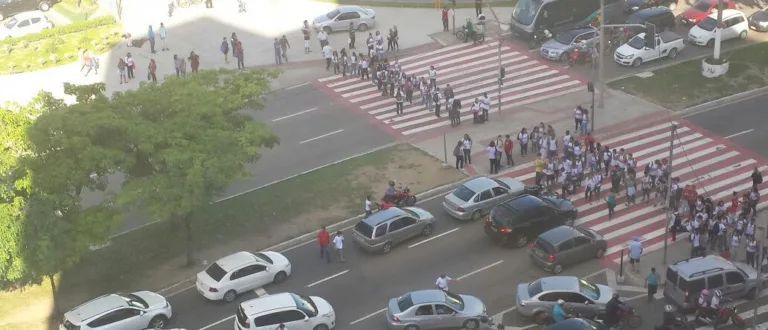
{"type": "Point", "coordinates": [224, 49]}
{"type": "Point", "coordinates": [438, 99]}
{"type": "Point", "coordinates": [757, 177]}
{"type": "Point", "coordinates": [399, 99]}
{"type": "Point", "coordinates": [458, 152]}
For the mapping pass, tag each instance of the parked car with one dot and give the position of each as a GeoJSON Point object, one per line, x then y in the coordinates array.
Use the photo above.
{"type": "Point", "coordinates": [118, 311]}
{"type": "Point", "coordinates": [241, 272]}
{"type": "Point", "coordinates": [635, 5]}
{"type": "Point", "coordinates": [519, 220]}
{"type": "Point", "coordinates": [434, 309]}
{"type": "Point", "coordinates": [295, 311]}
{"type": "Point", "coordinates": [701, 9]}
{"type": "Point", "coordinates": [661, 17]}
{"type": "Point", "coordinates": [564, 246]}
{"type": "Point", "coordinates": [736, 26]}
{"type": "Point", "coordinates": [758, 21]}
{"type": "Point", "coordinates": [12, 7]}
{"type": "Point", "coordinates": [537, 298]}
{"type": "Point", "coordinates": [687, 278]}
{"type": "Point", "coordinates": [475, 198]}
{"type": "Point", "coordinates": [576, 324]}
{"type": "Point", "coordinates": [338, 19]}
{"type": "Point", "coordinates": [635, 51]}
{"type": "Point", "coordinates": [382, 230]}
{"type": "Point", "coordinates": [24, 24]}
{"type": "Point", "coordinates": [559, 48]}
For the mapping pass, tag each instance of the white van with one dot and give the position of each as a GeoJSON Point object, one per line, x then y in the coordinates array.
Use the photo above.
{"type": "Point", "coordinates": [735, 22]}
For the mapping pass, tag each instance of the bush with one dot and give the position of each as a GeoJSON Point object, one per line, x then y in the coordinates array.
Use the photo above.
{"type": "Point", "coordinates": [62, 30]}
{"type": "Point", "coordinates": [41, 61]}
{"type": "Point", "coordinates": [55, 58]}
{"type": "Point", "coordinates": [7, 49]}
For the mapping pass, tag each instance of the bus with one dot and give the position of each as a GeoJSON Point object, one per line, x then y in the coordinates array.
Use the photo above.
{"type": "Point", "coordinates": [557, 15]}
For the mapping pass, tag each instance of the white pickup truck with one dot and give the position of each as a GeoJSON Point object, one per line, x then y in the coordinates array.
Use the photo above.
{"type": "Point", "coordinates": [634, 52]}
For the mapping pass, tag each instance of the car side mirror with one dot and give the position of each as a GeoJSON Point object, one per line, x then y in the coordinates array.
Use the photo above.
{"type": "Point", "coordinates": [453, 313]}
{"type": "Point", "coordinates": [586, 302]}
{"type": "Point", "coordinates": [306, 318]}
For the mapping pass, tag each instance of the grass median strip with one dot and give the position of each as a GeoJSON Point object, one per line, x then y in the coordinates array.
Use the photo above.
{"type": "Point", "coordinates": [681, 86]}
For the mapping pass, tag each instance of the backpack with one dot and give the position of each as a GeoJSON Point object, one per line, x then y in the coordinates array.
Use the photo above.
{"type": "Point", "coordinates": [436, 97]}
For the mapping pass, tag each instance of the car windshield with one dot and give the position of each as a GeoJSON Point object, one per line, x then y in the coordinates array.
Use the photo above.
{"type": "Point", "coordinates": [566, 38]}
{"type": "Point", "coordinates": [305, 304]}
{"type": "Point", "coordinates": [464, 193]}
{"type": "Point", "coordinates": [11, 23]}
{"type": "Point", "coordinates": [702, 6]}
{"type": "Point", "coordinates": [333, 14]}
{"type": "Point", "coordinates": [707, 24]}
{"type": "Point", "coordinates": [534, 288]}
{"type": "Point", "coordinates": [263, 257]}
{"type": "Point", "coordinates": [454, 300]}
{"type": "Point", "coordinates": [404, 302]}
{"type": "Point", "coordinates": [364, 229]}
{"type": "Point", "coordinates": [588, 232]}
{"type": "Point", "coordinates": [525, 11]}
{"type": "Point", "coordinates": [588, 289]}
{"type": "Point", "coordinates": [504, 215]}
{"type": "Point", "coordinates": [134, 300]}
{"type": "Point", "coordinates": [215, 272]}
{"type": "Point", "coordinates": [502, 183]}
{"type": "Point", "coordinates": [412, 214]}
{"type": "Point", "coordinates": [637, 42]}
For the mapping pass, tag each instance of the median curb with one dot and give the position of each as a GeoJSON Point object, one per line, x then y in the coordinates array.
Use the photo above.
{"type": "Point", "coordinates": [704, 107]}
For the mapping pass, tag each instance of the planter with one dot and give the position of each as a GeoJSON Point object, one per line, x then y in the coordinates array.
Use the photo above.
{"type": "Point", "coordinates": [713, 69]}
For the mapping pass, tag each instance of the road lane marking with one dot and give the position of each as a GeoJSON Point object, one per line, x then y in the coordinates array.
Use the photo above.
{"type": "Point", "coordinates": [321, 136]}
{"type": "Point", "coordinates": [433, 237]}
{"type": "Point", "coordinates": [296, 86]}
{"type": "Point", "coordinates": [499, 317]}
{"type": "Point", "coordinates": [293, 115]}
{"type": "Point", "coordinates": [178, 291]}
{"type": "Point", "coordinates": [217, 323]}
{"type": "Point", "coordinates": [365, 317]}
{"type": "Point", "coordinates": [328, 278]}
{"type": "Point", "coordinates": [261, 292]}
{"type": "Point", "coordinates": [739, 133]}
{"type": "Point", "coordinates": [480, 270]}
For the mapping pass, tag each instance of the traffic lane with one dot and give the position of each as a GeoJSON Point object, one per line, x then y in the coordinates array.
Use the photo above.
{"type": "Point", "coordinates": [739, 121]}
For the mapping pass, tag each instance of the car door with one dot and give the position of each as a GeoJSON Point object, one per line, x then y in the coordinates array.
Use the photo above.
{"type": "Point", "coordinates": [583, 249]}
{"type": "Point", "coordinates": [447, 317]}
{"type": "Point", "coordinates": [483, 201]}
{"type": "Point", "coordinates": [735, 284]}
{"type": "Point", "coordinates": [37, 25]}
{"type": "Point", "coordinates": [411, 227]}
{"type": "Point", "coordinates": [715, 282]}
{"type": "Point", "coordinates": [237, 281]}
{"type": "Point", "coordinates": [342, 21]}
{"type": "Point", "coordinates": [425, 317]}
{"type": "Point", "coordinates": [380, 233]}
{"type": "Point", "coordinates": [121, 319]}
{"type": "Point", "coordinates": [546, 301]}
{"type": "Point", "coordinates": [589, 38]}
{"type": "Point", "coordinates": [21, 28]}
{"type": "Point", "coordinates": [565, 252]}
{"type": "Point", "coordinates": [267, 322]}
{"type": "Point", "coordinates": [579, 303]}
{"type": "Point", "coordinates": [294, 319]}
{"type": "Point", "coordinates": [258, 276]}
{"type": "Point", "coordinates": [397, 232]}
{"type": "Point", "coordinates": [500, 194]}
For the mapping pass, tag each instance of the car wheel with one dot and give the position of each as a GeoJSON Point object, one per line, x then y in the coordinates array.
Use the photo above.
{"type": "Point", "coordinates": [600, 253]}
{"type": "Point", "coordinates": [327, 29]}
{"type": "Point", "coordinates": [460, 35]}
{"type": "Point", "coordinates": [158, 322]}
{"type": "Point", "coordinates": [411, 327]}
{"type": "Point", "coordinates": [387, 248]}
{"type": "Point", "coordinates": [637, 62]}
{"type": "Point", "coordinates": [427, 230]}
{"type": "Point", "coordinates": [362, 27]}
{"type": "Point", "coordinates": [230, 296]}
{"type": "Point", "coordinates": [471, 324]}
{"type": "Point", "coordinates": [540, 318]}
{"type": "Point", "coordinates": [563, 57]}
{"type": "Point", "coordinates": [672, 53]}
{"type": "Point", "coordinates": [711, 43]}
{"type": "Point", "coordinates": [570, 221]}
{"type": "Point", "coordinates": [672, 6]}
{"type": "Point", "coordinates": [45, 6]}
{"type": "Point", "coordinates": [321, 327]}
{"type": "Point", "coordinates": [279, 277]}
{"type": "Point", "coordinates": [477, 215]}
{"type": "Point", "coordinates": [521, 241]}
{"type": "Point", "coordinates": [743, 35]}
{"type": "Point", "coordinates": [557, 269]}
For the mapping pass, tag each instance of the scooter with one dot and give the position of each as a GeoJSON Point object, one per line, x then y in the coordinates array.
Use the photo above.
{"type": "Point", "coordinates": [538, 38]}
{"type": "Point", "coordinates": [479, 36]}
{"type": "Point", "coordinates": [580, 54]}
{"type": "Point", "coordinates": [722, 315]}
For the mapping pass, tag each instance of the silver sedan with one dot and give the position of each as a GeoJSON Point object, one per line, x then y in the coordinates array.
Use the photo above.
{"type": "Point", "coordinates": [536, 299]}
{"type": "Point", "coordinates": [434, 309]}
{"type": "Point", "coordinates": [339, 19]}
{"type": "Point", "coordinates": [559, 48]}
{"type": "Point", "coordinates": [475, 198]}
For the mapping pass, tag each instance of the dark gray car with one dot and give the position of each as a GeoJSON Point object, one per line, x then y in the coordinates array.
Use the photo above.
{"type": "Point", "coordinates": [565, 246]}
{"type": "Point", "coordinates": [384, 229]}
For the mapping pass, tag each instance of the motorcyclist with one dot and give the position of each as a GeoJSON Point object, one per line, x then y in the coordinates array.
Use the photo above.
{"type": "Point", "coordinates": [470, 35]}
{"type": "Point", "coordinates": [703, 304]}
{"type": "Point", "coordinates": [612, 311]}
{"type": "Point", "coordinates": [672, 319]}
{"type": "Point", "coordinates": [558, 313]}
{"type": "Point", "coordinates": [714, 304]}
{"type": "Point", "coordinates": [391, 194]}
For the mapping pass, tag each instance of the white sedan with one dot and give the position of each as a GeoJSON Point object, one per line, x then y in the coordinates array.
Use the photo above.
{"type": "Point", "coordinates": [241, 272]}
{"type": "Point", "coordinates": [24, 24]}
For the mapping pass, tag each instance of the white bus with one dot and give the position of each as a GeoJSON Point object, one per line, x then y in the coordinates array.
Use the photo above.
{"type": "Point", "coordinates": [557, 15]}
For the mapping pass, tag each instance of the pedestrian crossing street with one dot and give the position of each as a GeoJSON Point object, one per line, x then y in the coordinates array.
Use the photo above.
{"type": "Point", "coordinates": [710, 162]}
{"type": "Point", "coordinates": [471, 70]}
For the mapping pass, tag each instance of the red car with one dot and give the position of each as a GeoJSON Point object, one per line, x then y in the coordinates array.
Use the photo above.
{"type": "Point", "coordinates": [701, 9]}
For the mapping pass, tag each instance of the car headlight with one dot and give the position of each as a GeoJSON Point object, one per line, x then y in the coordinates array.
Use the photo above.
{"type": "Point", "coordinates": [328, 315]}
{"type": "Point", "coordinates": [635, 8]}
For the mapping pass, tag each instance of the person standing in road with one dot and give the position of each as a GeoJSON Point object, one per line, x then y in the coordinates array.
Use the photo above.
{"type": "Point", "coordinates": [610, 202]}
{"type": "Point", "coordinates": [399, 99]}
{"type": "Point", "coordinates": [284, 47]}
{"type": "Point", "coordinates": [364, 68]}
{"type": "Point", "coordinates": [323, 38]}
{"type": "Point", "coordinates": [444, 16]}
{"type": "Point", "coordinates": [635, 251]}
{"type": "Point", "coordinates": [151, 38]}
{"type": "Point", "coordinates": [486, 106]}
{"type": "Point", "coordinates": [335, 62]}
{"type": "Point", "coordinates": [735, 244]}
{"type": "Point", "coordinates": [171, 7]}
{"type": "Point", "coordinates": [328, 55]}
{"type": "Point", "coordinates": [194, 61]}
{"type": "Point", "coordinates": [278, 50]}
{"type": "Point", "coordinates": [163, 37]}
{"type": "Point", "coordinates": [432, 76]}
{"type": "Point", "coordinates": [757, 177]}
{"type": "Point", "coordinates": [577, 118]}
{"type": "Point", "coordinates": [751, 250]}
{"type": "Point", "coordinates": [652, 283]}
{"type": "Point", "coordinates": [492, 154]}
{"type": "Point", "coordinates": [508, 145]}
{"type": "Point", "coordinates": [442, 282]}
{"type": "Point", "coordinates": [467, 141]}
{"type": "Point", "coordinates": [323, 239]}
{"type": "Point", "coordinates": [152, 69]}
{"type": "Point", "coordinates": [459, 154]}
{"type": "Point", "coordinates": [395, 38]}
{"type": "Point", "coordinates": [338, 243]}
{"type": "Point", "coordinates": [224, 48]}
{"type": "Point", "coordinates": [351, 36]}
{"type": "Point", "coordinates": [478, 7]}
{"type": "Point", "coordinates": [240, 54]}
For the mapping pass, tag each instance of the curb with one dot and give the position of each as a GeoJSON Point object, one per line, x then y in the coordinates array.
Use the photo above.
{"type": "Point", "coordinates": [711, 105]}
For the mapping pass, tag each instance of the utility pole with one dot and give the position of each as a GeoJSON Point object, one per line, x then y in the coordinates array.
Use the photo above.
{"type": "Point", "coordinates": [600, 65]}
{"type": "Point", "coordinates": [500, 69]}
{"type": "Point", "coordinates": [759, 265]}
{"type": "Point", "coordinates": [670, 212]}
{"type": "Point", "coordinates": [453, 15]}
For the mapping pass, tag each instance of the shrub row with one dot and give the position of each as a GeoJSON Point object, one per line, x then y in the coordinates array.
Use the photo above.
{"type": "Point", "coordinates": [62, 30]}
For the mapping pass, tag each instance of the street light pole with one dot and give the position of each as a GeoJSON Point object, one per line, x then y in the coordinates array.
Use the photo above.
{"type": "Point", "coordinates": [600, 65]}
{"type": "Point", "coordinates": [499, 69]}
{"type": "Point", "coordinates": [759, 265]}
{"type": "Point", "coordinates": [670, 212]}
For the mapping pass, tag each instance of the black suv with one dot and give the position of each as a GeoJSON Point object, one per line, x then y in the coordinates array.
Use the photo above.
{"type": "Point", "coordinates": [635, 5]}
{"type": "Point", "coordinates": [9, 8]}
{"type": "Point", "coordinates": [520, 219]}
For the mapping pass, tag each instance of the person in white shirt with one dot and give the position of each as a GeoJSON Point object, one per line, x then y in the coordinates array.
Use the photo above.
{"type": "Point", "coordinates": [751, 250]}
{"type": "Point", "coordinates": [492, 153]}
{"type": "Point", "coordinates": [432, 76]}
{"type": "Point", "coordinates": [338, 243]}
{"type": "Point", "coordinates": [442, 282]}
{"type": "Point", "coordinates": [467, 142]}
{"type": "Point", "coordinates": [486, 106]}
{"type": "Point", "coordinates": [523, 138]}
{"type": "Point", "coordinates": [368, 206]}
{"type": "Point", "coordinates": [328, 54]}
{"type": "Point", "coordinates": [323, 38]}
{"type": "Point", "coordinates": [552, 147]}
{"type": "Point", "coordinates": [549, 171]}
{"type": "Point", "coordinates": [577, 117]}
{"type": "Point", "coordinates": [735, 243]}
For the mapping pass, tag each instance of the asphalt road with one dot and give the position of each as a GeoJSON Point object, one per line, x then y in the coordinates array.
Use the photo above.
{"type": "Point", "coordinates": [743, 122]}
{"type": "Point", "coordinates": [360, 288]}
{"type": "Point", "coordinates": [314, 131]}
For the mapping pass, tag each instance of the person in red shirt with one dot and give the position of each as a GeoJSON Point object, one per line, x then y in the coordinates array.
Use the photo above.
{"type": "Point", "coordinates": [690, 195]}
{"type": "Point", "coordinates": [508, 151]}
{"type": "Point", "coordinates": [589, 141]}
{"type": "Point", "coordinates": [445, 19]}
{"type": "Point", "coordinates": [323, 239]}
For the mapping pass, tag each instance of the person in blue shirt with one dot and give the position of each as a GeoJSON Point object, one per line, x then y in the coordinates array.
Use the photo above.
{"type": "Point", "coordinates": [558, 313]}
{"type": "Point", "coordinates": [391, 194]}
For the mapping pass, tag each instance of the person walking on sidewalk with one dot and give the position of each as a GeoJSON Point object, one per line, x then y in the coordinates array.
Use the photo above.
{"type": "Point", "coordinates": [478, 7]}
{"type": "Point", "coordinates": [152, 69]}
{"type": "Point", "coordinates": [635, 251]}
{"type": "Point", "coordinates": [522, 138]}
{"type": "Point", "coordinates": [458, 152]}
{"type": "Point", "coordinates": [130, 65]}
{"type": "Point", "coordinates": [338, 243]}
{"type": "Point", "coordinates": [240, 54]}
{"type": "Point", "coordinates": [351, 36]}
{"type": "Point", "coordinates": [757, 177]}
{"type": "Point", "coordinates": [493, 154]}
{"type": "Point", "coordinates": [508, 145]}
{"type": "Point", "coordinates": [284, 47]}
{"type": "Point", "coordinates": [444, 16]}
{"type": "Point", "coordinates": [735, 244]}
{"type": "Point", "coordinates": [163, 37]}
{"type": "Point", "coordinates": [151, 39]}
{"type": "Point", "coordinates": [306, 30]}
{"type": "Point", "coordinates": [171, 7]}
{"type": "Point", "coordinates": [278, 51]}
{"type": "Point", "coordinates": [467, 142]}
{"type": "Point", "coordinates": [368, 206]}
{"type": "Point", "coordinates": [652, 283]}
{"type": "Point", "coordinates": [323, 38]}
{"type": "Point", "coordinates": [328, 55]}
{"type": "Point", "coordinates": [751, 250]}
{"type": "Point", "coordinates": [121, 70]}
{"type": "Point", "coordinates": [323, 239]}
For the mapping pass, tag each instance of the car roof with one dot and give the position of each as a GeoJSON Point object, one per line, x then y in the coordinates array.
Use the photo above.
{"type": "Point", "coordinates": [95, 307]}
{"type": "Point", "coordinates": [690, 267]}
{"type": "Point", "coordinates": [347, 9]}
{"type": "Point", "coordinates": [267, 303]}
{"type": "Point", "coordinates": [481, 184]}
{"type": "Point", "coordinates": [727, 12]}
{"type": "Point", "coordinates": [577, 31]}
{"type": "Point", "coordinates": [383, 216]}
{"type": "Point", "coordinates": [559, 234]}
{"type": "Point", "coordinates": [236, 260]}
{"type": "Point", "coordinates": [427, 296]}
{"type": "Point", "coordinates": [644, 13]}
{"type": "Point", "coordinates": [524, 202]}
{"type": "Point", "coordinates": [29, 14]}
{"type": "Point", "coordinates": [560, 283]}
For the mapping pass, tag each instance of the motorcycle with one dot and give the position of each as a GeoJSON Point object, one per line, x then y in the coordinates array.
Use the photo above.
{"type": "Point", "coordinates": [543, 318]}
{"type": "Point", "coordinates": [479, 36]}
{"type": "Point", "coordinates": [629, 318]}
{"type": "Point", "coordinates": [487, 323]}
{"type": "Point", "coordinates": [581, 54]}
{"type": "Point", "coordinates": [722, 315]}
{"type": "Point", "coordinates": [402, 197]}
{"type": "Point", "coordinates": [538, 38]}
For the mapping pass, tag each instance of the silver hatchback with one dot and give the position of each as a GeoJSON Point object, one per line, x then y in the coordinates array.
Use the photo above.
{"type": "Point", "coordinates": [559, 48]}
{"type": "Point", "coordinates": [475, 198]}
{"type": "Point", "coordinates": [434, 309]}
{"type": "Point", "coordinates": [536, 299]}
{"type": "Point", "coordinates": [338, 19]}
{"type": "Point", "coordinates": [386, 228]}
